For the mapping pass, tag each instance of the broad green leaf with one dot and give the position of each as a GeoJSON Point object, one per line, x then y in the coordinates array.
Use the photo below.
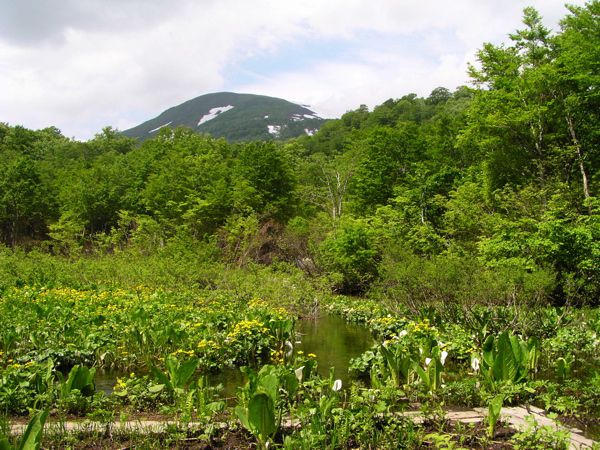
{"type": "Point", "coordinates": [494, 410]}
{"type": "Point", "coordinates": [243, 416]}
{"type": "Point", "coordinates": [82, 379]}
{"type": "Point", "coordinates": [270, 385]}
{"type": "Point", "coordinates": [185, 372]}
{"type": "Point", "coordinates": [261, 415]}
{"type": "Point", "coordinates": [423, 375]}
{"type": "Point", "coordinates": [161, 377]}
{"type": "Point", "coordinates": [505, 367]}
{"type": "Point", "coordinates": [32, 438]}
{"type": "Point", "coordinates": [290, 383]}
{"type": "Point", "coordinates": [488, 351]}
{"type": "Point", "coordinates": [172, 364]}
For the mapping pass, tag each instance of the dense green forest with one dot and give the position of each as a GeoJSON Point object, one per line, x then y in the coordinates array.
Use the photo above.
{"type": "Point", "coordinates": [488, 193]}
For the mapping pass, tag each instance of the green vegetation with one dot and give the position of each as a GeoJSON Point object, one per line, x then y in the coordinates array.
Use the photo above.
{"type": "Point", "coordinates": [461, 229]}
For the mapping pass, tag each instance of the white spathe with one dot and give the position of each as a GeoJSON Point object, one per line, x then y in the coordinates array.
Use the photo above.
{"type": "Point", "coordinates": [443, 357]}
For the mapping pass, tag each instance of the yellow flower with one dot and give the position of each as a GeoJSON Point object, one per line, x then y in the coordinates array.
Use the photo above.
{"type": "Point", "coordinates": [312, 355]}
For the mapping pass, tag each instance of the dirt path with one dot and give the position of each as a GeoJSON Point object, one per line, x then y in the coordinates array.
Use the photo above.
{"type": "Point", "coordinates": [515, 416]}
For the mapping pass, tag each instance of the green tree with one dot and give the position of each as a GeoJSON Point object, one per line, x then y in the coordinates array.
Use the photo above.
{"type": "Point", "coordinates": [383, 155]}
{"type": "Point", "coordinates": [351, 251]}
{"type": "Point", "coordinates": [578, 78]}
{"type": "Point", "coordinates": [511, 115]}
{"type": "Point", "coordinates": [24, 203]}
{"type": "Point", "coordinates": [264, 180]}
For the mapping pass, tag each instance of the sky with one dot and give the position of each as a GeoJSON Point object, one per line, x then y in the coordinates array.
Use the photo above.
{"type": "Point", "coordinates": [81, 65]}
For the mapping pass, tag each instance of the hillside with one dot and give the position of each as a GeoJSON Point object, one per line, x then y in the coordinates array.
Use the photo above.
{"type": "Point", "coordinates": [236, 117]}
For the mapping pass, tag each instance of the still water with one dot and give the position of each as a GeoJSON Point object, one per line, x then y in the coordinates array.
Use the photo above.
{"type": "Point", "coordinates": [334, 341]}
{"type": "Point", "coordinates": [330, 338]}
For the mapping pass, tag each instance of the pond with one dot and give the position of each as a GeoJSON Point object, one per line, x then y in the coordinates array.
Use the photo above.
{"type": "Point", "coordinates": [333, 340]}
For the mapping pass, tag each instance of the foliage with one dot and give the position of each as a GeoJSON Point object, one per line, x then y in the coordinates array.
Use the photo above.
{"type": "Point", "coordinates": [508, 358]}
{"type": "Point", "coordinates": [460, 223]}
{"type": "Point", "coordinates": [351, 251]}
{"type": "Point", "coordinates": [494, 410]}
{"type": "Point", "coordinates": [32, 437]}
{"type": "Point", "coordinates": [541, 437]}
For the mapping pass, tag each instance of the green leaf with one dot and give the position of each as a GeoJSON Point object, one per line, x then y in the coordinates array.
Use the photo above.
{"type": "Point", "coordinates": [156, 388]}
{"type": "Point", "coordinates": [290, 383]}
{"type": "Point", "coordinates": [270, 385]}
{"type": "Point", "coordinates": [32, 438]}
{"type": "Point", "coordinates": [494, 410]}
{"type": "Point", "coordinates": [5, 445]}
{"type": "Point", "coordinates": [185, 372]}
{"type": "Point", "coordinates": [172, 364]}
{"type": "Point", "coordinates": [243, 416]}
{"type": "Point", "coordinates": [161, 377]}
{"type": "Point", "coordinates": [488, 351]}
{"type": "Point", "coordinates": [261, 415]}
{"type": "Point", "coordinates": [423, 375]}
{"type": "Point", "coordinates": [83, 380]}
{"type": "Point", "coordinates": [505, 366]}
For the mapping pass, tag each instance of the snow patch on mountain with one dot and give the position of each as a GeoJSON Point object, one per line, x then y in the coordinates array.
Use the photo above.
{"type": "Point", "coordinates": [274, 129]}
{"type": "Point", "coordinates": [162, 126]}
{"type": "Point", "coordinates": [309, 132]}
{"type": "Point", "coordinates": [214, 112]}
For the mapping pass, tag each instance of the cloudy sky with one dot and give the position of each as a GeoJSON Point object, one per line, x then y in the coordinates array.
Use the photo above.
{"type": "Point", "coordinates": [80, 65]}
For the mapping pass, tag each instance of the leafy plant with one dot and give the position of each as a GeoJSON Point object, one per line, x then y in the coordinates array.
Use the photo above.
{"type": "Point", "coordinates": [563, 367]}
{"type": "Point", "coordinates": [399, 362]}
{"type": "Point", "coordinates": [32, 438]}
{"type": "Point", "coordinates": [431, 373]}
{"type": "Point", "coordinates": [80, 378]}
{"type": "Point", "coordinates": [178, 374]}
{"type": "Point", "coordinates": [76, 392]}
{"type": "Point", "coordinates": [509, 358]}
{"type": "Point", "coordinates": [539, 437]}
{"type": "Point", "coordinates": [494, 410]}
{"type": "Point", "coordinates": [261, 403]}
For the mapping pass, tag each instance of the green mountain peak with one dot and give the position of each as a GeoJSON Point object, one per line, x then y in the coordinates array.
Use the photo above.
{"type": "Point", "coordinates": [235, 117]}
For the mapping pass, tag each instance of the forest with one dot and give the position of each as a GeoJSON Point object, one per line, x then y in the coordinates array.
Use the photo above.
{"type": "Point", "coordinates": [467, 211]}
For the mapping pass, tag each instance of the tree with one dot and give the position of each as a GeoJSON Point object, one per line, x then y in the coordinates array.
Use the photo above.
{"type": "Point", "coordinates": [24, 203]}
{"type": "Point", "coordinates": [326, 182]}
{"type": "Point", "coordinates": [187, 182]}
{"type": "Point", "coordinates": [351, 251]}
{"type": "Point", "coordinates": [382, 155]}
{"type": "Point", "coordinates": [265, 180]}
{"type": "Point", "coordinates": [510, 114]}
{"type": "Point", "coordinates": [578, 84]}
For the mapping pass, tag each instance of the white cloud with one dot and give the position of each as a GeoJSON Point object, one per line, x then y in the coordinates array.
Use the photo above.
{"type": "Point", "coordinates": [86, 64]}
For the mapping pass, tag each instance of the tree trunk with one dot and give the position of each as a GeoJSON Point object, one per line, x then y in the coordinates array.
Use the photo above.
{"type": "Point", "coordinates": [584, 177]}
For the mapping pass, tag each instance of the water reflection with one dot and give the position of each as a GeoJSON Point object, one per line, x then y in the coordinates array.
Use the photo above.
{"type": "Point", "coordinates": [334, 341]}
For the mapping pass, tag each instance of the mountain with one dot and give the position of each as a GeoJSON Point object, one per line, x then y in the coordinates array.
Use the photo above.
{"type": "Point", "coordinates": [236, 117]}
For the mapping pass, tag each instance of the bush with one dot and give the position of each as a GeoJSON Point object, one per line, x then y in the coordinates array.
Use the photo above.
{"type": "Point", "coordinates": [350, 250]}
